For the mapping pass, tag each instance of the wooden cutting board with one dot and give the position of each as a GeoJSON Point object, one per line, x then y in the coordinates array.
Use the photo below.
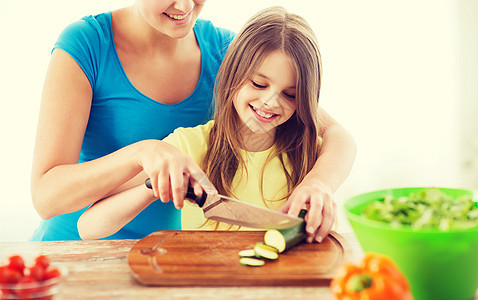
{"type": "Point", "coordinates": [210, 258]}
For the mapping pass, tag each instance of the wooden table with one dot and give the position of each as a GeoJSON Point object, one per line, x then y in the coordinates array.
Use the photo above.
{"type": "Point", "coordinates": [99, 270]}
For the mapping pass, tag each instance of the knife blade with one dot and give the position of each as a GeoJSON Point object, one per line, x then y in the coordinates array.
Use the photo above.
{"type": "Point", "coordinates": [229, 210]}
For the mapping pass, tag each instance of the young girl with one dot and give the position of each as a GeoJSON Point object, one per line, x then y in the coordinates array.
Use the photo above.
{"type": "Point", "coordinates": [265, 136]}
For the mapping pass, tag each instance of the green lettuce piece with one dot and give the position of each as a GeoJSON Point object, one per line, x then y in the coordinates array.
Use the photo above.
{"type": "Point", "coordinates": [428, 208]}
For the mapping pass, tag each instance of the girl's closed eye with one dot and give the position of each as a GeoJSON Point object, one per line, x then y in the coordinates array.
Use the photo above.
{"type": "Point", "coordinates": [257, 85]}
{"type": "Point", "coordinates": [289, 95]}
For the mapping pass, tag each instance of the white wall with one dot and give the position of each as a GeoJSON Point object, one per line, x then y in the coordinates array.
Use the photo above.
{"type": "Point", "coordinates": [391, 75]}
{"type": "Point", "coordinates": [467, 54]}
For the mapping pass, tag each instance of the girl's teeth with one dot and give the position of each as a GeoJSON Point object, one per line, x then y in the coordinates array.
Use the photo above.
{"type": "Point", "coordinates": [262, 114]}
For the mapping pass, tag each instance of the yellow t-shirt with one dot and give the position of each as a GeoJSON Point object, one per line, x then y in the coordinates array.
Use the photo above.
{"type": "Point", "coordinates": [245, 186]}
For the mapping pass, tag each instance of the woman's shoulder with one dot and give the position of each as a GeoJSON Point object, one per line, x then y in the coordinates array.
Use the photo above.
{"type": "Point", "coordinates": [206, 30]}
{"type": "Point", "coordinates": [92, 28]}
{"type": "Point", "coordinates": [208, 27]}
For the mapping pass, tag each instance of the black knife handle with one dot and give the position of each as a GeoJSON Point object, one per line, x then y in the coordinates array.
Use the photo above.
{"type": "Point", "coordinates": [190, 193]}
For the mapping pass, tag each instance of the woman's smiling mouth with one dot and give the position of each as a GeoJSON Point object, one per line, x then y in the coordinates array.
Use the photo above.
{"type": "Point", "coordinates": [177, 16]}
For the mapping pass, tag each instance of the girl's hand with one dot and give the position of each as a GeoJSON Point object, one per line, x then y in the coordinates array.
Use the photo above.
{"type": "Point", "coordinates": [321, 209]}
{"type": "Point", "coordinates": [171, 171]}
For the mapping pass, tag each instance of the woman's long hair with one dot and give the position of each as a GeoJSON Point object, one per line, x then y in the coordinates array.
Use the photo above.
{"type": "Point", "coordinates": [298, 138]}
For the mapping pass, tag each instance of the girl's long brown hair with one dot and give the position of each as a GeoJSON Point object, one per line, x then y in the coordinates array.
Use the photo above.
{"type": "Point", "coordinates": [298, 139]}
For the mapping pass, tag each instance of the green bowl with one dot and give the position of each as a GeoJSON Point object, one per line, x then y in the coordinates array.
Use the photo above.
{"type": "Point", "coordinates": [438, 264]}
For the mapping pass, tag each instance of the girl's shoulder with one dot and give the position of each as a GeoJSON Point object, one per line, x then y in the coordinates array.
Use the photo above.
{"type": "Point", "coordinates": [191, 140]}
{"type": "Point", "coordinates": [190, 137]}
{"type": "Point", "coordinates": [194, 134]}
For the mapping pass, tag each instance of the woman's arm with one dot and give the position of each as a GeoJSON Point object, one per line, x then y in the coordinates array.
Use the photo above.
{"type": "Point", "coordinates": [59, 183]}
{"type": "Point", "coordinates": [315, 192]}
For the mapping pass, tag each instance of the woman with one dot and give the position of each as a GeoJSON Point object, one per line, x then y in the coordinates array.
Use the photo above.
{"type": "Point", "coordinates": [119, 81]}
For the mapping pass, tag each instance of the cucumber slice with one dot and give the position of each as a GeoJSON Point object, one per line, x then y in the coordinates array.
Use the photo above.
{"type": "Point", "coordinates": [247, 253]}
{"type": "Point", "coordinates": [265, 251]}
{"type": "Point", "coordinates": [284, 239]}
{"type": "Point", "coordinates": [251, 262]}
{"type": "Point", "coordinates": [276, 239]}
{"type": "Point", "coordinates": [267, 247]}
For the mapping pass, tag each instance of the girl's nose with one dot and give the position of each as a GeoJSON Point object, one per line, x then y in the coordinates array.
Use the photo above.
{"type": "Point", "coordinates": [271, 100]}
{"type": "Point", "coordinates": [184, 5]}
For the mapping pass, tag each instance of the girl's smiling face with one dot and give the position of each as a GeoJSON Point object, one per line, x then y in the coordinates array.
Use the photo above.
{"type": "Point", "coordinates": [266, 100]}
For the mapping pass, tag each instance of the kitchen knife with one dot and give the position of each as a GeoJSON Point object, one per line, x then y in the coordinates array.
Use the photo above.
{"type": "Point", "coordinates": [233, 211]}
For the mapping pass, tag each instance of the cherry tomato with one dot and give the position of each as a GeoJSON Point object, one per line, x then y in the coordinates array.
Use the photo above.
{"type": "Point", "coordinates": [43, 261]}
{"type": "Point", "coordinates": [51, 273]}
{"type": "Point", "coordinates": [15, 262]}
{"type": "Point", "coordinates": [37, 272]}
{"type": "Point", "coordinates": [8, 275]}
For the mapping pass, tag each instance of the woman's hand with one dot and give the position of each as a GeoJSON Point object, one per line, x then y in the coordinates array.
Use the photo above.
{"type": "Point", "coordinates": [171, 171]}
{"type": "Point", "coordinates": [321, 209]}
{"type": "Point", "coordinates": [333, 166]}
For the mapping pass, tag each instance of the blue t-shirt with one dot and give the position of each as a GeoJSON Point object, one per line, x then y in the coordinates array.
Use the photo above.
{"type": "Point", "coordinates": [121, 115]}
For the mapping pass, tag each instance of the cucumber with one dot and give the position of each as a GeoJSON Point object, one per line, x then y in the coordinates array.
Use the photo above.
{"type": "Point", "coordinates": [265, 251]}
{"type": "Point", "coordinates": [284, 239]}
{"type": "Point", "coordinates": [275, 242]}
{"type": "Point", "coordinates": [247, 253]}
{"type": "Point", "coordinates": [251, 262]}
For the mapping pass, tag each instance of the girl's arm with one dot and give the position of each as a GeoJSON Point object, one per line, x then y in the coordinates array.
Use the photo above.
{"type": "Point", "coordinates": [315, 192]}
{"type": "Point", "coordinates": [112, 213]}
{"type": "Point", "coordinates": [109, 215]}
{"type": "Point", "coordinates": [59, 183]}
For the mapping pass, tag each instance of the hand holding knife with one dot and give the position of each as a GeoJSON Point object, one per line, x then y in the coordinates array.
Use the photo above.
{"type": "Point", "coordinates": [236, 212]}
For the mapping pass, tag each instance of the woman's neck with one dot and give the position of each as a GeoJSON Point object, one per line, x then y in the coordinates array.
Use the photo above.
{"type": "Point", "coordinates": [163, 68]}
{"type": "Point", "coordinates": [144, 38]}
